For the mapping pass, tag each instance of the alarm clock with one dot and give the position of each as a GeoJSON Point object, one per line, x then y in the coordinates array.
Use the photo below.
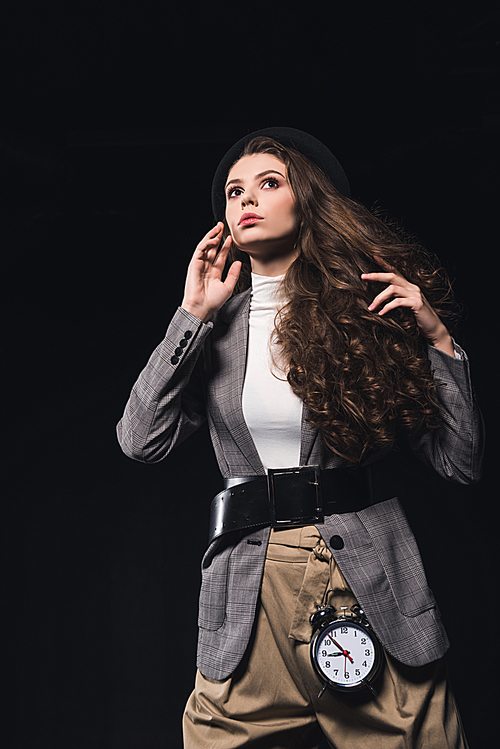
{"type": "Point", "coordinates": [345, 652]}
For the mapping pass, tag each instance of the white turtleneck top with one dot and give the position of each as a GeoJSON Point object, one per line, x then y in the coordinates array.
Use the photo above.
{"type": "Point", "coordinates": [271, 409]}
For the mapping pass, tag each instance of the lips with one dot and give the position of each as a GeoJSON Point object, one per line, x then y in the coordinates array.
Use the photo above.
{"type": "Point", "coordinates": [249, 218]}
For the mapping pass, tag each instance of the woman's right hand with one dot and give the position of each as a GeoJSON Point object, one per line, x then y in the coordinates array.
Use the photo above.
{"type": "Point", "coordinates": [205, 292]}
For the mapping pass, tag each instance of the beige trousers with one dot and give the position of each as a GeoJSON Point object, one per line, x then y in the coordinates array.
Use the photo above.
{"type": "Point", "coordinates": [272, 702]}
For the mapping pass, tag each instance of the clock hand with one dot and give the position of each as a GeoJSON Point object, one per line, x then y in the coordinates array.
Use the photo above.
{"type": "Point", "coordinates": [344, 652]}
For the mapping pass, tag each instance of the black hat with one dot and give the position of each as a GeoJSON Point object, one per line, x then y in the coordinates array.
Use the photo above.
{"type": "Point", "coordinates": [306, 144]}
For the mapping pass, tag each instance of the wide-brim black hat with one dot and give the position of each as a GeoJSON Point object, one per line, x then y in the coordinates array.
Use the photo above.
{"type": "Point", "coordinates": [306, 144]}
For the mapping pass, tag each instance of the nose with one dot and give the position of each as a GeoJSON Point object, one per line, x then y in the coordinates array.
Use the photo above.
{"type": "Point", "coordinates": [248, 198]}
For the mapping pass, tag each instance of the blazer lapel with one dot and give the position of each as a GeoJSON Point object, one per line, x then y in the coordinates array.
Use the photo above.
{"type": "Point", "coordinates": [313, 450]}
{"type": "Point", "coordinates": [231, 351]}
{"type": "Point", "coordinates": [309, 435]}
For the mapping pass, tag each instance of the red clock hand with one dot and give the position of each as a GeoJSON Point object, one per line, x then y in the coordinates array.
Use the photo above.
{"type": "Point", "coordinates": [345, 653]}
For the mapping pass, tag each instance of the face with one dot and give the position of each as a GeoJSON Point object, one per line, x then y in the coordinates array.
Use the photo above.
{"type": "Point", "coordinates": [260, 211]}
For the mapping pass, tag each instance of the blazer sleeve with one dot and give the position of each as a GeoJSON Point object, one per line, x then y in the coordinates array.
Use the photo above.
{"type": "Point", "coordinates": [167, 402]}
{"type": "Point", "coordinates": [455, 449]}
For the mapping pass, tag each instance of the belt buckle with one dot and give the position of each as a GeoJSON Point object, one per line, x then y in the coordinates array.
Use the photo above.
{"type": "Point", "coordinates": [295, 496]}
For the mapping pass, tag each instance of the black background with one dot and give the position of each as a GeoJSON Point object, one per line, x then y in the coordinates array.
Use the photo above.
{"type": "Point", "coordinates": [115, 117]}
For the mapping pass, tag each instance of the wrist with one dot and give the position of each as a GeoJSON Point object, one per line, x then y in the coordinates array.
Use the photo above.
{"type": "Point", "coordinates": [196, 310]}
{"type": "Point", "coordinates": [443, 341]}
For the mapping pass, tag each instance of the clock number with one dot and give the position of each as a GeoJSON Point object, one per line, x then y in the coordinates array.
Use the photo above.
{"type": "Point", "coordinates": [328, 642]}
{"type": "Point", "coordinates": [368, 651]}
{"type": "Point", "coordinates": [327, 664]}
{"type": "Point", "coordinates": [343, 630]}
{"type": "Point", "coordinates": [358, 672]}
{"type": "Point", "coordinates": [346, 675]}
{"type": "Point", "coordinates": [363, 640]}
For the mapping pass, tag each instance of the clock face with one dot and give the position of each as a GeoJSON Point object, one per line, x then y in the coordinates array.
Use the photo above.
{"type": "Point", "coordinates": [344, 654]}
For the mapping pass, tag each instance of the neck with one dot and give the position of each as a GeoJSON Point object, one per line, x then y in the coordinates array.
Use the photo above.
{"type": "Point", "coordinates": [272, 266]}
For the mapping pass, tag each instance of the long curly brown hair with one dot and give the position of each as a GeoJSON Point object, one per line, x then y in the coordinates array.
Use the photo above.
{"type": "Point", "coordinates": [365, 379]}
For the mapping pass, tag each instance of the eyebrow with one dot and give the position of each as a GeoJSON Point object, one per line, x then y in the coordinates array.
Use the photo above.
{"type": "Point", "coordinates": [257, 176]}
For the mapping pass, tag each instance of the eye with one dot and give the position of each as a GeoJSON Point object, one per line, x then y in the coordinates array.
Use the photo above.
{"type": "Point", "coordinates": [269, 183]}
{"type": "Point", "coordinates": [234, 192]}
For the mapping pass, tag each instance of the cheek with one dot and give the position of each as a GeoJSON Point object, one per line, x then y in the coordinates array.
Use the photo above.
{"type": "Point", "coordinates": [289, 213]}
{"type": "Point", "coordinates": [286, 208]}
{"type": "Point", "coordinates": [229, 220]}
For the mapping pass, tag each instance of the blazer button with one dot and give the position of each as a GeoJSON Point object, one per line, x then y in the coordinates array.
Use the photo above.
{"type": "Point", "coordinates": [183, 343]}
{"type": "Point", "coordinates": [337, 542]}
{"type": "Point", "coordinates": [175, 360]}
{"type": "Point", "coordinates": [178, 351]}
{"type": "Point", "coordinates": [188, 334]}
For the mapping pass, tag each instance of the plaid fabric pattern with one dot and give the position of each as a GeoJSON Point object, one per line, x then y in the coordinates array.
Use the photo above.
{"type": "Point", "coordinates": [197, 372]}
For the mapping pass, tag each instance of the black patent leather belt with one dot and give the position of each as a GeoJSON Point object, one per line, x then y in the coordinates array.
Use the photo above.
{"type": "Point", "coordinates": [289, 497]}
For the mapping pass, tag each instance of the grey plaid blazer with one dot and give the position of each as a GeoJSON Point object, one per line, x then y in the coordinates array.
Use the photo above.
{"type": "Point", "coordinates": [197, 372]}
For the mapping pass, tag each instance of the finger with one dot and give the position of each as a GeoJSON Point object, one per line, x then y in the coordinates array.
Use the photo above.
{"type": "Point", "coordinates": [212, 237]}
{"type": "Point", "coordinates": [395, 304]}
{"type": "Point", "coordinates": [387, 293]}
{"type": "Point", "coordinates": [214, 233]}
{"type": "Point", "coordinates": [397, 284]}
{"type": "Point", "coordinates": [233, 275]}
{"type": "Point", "coordinates": [221, 258]}
{"type": "Point", "coordinates": [382, 277]}
{"type": "Point", "coordinates": [411, 294]}
{"type": "Point", "coordinates": [215, 229]}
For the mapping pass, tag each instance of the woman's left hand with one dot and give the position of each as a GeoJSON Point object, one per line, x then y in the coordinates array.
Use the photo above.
{"type": "Point", "coordinates": [402, 293]}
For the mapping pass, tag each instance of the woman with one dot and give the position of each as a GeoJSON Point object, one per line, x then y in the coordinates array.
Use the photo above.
{"type": "Point", "coordinates": [334, 355]}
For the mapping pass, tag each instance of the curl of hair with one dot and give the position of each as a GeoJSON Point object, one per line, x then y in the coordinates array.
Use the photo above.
{"type": "Point", "coordinates": [366, 380]}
